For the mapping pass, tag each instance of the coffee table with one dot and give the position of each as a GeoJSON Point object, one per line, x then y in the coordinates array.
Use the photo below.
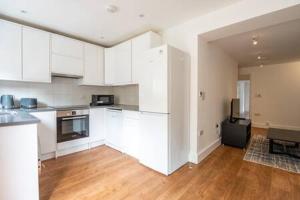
{"type": "Point", "coordinates": [282, 135]}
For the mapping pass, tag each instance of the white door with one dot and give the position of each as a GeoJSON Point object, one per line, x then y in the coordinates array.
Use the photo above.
{"type": "Point", "coordinates": [122, 67]}
{"type": "Point", "coordinates": [141, 44]}
{"type": "Point", "coordinates": [153, 88]}
{"type": "Point", "coordinates": [154, 141]}
{"type": "Point", "coordinates": [109, 60]}
{"type": "Point", "coordinates": [131, 133]}
{"type": "Point", "coordinates": [93, 65]}
{"type": "Point", "coordinates": [36, 53]}
{"type": "Point", "coordinates": [46, 131]}
{"type": "Point", "coordinates": [10, 51]}
{"type": "Point", "coordinates": [114, 129]}
{"type": "Point", "coordinates": [97, 124]}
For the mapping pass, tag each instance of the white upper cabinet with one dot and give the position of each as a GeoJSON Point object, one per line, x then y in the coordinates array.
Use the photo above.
{"type": "Point", "coordinates": [141, 44]}
{"type": "Point", "coordinates": [66, 56]}
{"type": "Point", "coordinates": [123, 63]}
{"type": "Point", "coordinates": [153, 88]}
{"type": "Point", "coordinates": [118, 64]}
{"type": "Point", "coordinates": [10, 51]}
{"type": "Point", "coordinates": [109, 60]}
{"type": "Point", "coordinates": [93, 65]}
{"type": "Point", "coordinates": [36, 53]}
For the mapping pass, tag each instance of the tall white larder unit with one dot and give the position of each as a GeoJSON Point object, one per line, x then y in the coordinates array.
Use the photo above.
{"type": "Point", "coordinates": [163, 101]}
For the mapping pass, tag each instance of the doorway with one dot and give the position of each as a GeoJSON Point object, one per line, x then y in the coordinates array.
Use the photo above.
{"type": "Point", "coordinates": [243, 93]}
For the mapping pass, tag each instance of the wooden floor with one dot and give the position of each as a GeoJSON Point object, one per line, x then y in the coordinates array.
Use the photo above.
{"type": "Point", "coordinates": [104, 173]}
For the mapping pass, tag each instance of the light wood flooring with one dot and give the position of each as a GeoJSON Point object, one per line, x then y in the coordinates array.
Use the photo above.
{"type": "Point", "coordinates": [104, 173]}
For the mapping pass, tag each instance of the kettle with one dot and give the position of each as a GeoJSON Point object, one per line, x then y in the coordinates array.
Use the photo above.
{"type": "Point", "coordinates": [7, 101]}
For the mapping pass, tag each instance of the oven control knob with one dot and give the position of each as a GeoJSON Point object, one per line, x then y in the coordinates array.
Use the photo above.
{"type": "Point", "coordinates": [73, 112]}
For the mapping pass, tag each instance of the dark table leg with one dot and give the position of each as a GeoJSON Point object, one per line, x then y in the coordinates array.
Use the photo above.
{"type": "Point", "coordinates": [271, 146]}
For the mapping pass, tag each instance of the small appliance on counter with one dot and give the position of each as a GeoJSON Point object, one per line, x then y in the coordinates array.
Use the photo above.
{"type": "Point", "coordinates": [102, 100]}
{"type": "Point", "coordinates": [28, 103]}
{"type": "Point", "coordinates": [7, 101]}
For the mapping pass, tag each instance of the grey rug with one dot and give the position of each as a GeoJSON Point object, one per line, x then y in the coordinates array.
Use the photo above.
{"type": "Point", "coordinates": [258, 152]}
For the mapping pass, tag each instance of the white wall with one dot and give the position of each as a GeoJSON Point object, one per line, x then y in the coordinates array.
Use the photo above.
{"type": "Point", "coordinates": [275, 95]}
{"type": "Point", "coordinates": [237, 18]}
{"type": "Point", "coordinates": [217, 75]}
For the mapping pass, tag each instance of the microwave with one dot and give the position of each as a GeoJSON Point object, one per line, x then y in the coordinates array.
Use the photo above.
{"type": "Point", "coordinates": [102, 100]}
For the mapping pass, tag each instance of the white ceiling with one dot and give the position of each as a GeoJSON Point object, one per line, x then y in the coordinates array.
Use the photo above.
{"type": "Point", "coordinates": [88, 19]}
{"type": "Point", "coordinates": [277, 44]}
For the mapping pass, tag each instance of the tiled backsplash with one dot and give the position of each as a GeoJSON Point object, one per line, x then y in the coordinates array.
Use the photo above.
{"type": "Point", "coordinates": [66, 91]}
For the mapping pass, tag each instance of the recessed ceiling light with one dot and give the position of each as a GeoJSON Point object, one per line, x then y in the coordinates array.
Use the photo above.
{"type": "Point", "coordinates": [254, 41]}
{"type": "Point", "coordinates": [258, 57]}
{"type": "Point", "coordinates": [23, 11]}
{"type": "Point", "coordinates": [111, 8]}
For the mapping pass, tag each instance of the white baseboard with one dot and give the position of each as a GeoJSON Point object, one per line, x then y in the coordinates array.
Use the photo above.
{"type": "Point", "coordinates": [262, 125]}
{"type": "Point", "coordinates": [206, 151]}
{"type": "Point", "coordinates": [193, 157]}
{"type": "Point", "coordinates": [97, 143]}
{"type": "Point", "coordinates": [47, 156]}
{"type": "Point", "coordinates": [71, 150]}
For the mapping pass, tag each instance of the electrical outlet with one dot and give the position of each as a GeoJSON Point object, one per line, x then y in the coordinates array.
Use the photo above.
{"type": "Point", "coordinates": [201, 132]}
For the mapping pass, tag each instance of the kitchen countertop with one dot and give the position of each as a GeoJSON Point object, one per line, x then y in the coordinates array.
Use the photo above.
{"type": "Point", "coordinates": [13, 117]}
{"type": "Point", "coordinates": [119, 107]}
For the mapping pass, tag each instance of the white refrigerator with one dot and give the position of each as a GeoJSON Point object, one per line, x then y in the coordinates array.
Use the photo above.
{"type": "Point", "coordinates": [163, 101]}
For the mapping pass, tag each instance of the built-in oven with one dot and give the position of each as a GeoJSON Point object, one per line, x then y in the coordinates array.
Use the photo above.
{"type": "Point", "coordinates": [72, 124]}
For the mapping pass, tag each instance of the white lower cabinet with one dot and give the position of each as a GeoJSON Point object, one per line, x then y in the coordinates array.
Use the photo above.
{"type": "Point", "coordinates": [114, 128]}
{"type": "Point", "coordinates": [154, 141]}
{"type": "Point", "coordinates": [46, 133]}
{"type": "Point", "coordinates": [131, 133]}
{"type": "Point", "coordinates": [97, 126]}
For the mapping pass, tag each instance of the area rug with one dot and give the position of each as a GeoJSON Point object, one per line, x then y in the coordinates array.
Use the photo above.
{"type": "Point", "coordinates": [258, 152]}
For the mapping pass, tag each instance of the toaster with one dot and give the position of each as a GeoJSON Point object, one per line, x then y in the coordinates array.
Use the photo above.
{"type": "Point", "coordinates": [28, 103]}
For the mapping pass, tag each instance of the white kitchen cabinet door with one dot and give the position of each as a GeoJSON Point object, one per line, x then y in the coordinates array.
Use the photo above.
{"type": "Point", "coordinates": [97, 125]}
{"type": "Point", "coordinates": [93, 65]}
{"type": "Point", "coordinates": [154, 141]}
{"type": "Point", "coordinates": [114, 129]}
{"type": "Point", "coordinates": [65, 46]}
{"type": "Point", "coordinates": [131, 133]}
{"type": "Point", "coordinates": [36, 53]}
{"type": "Point", "coordinates": [153, 87]}
{"type": "Point", "coordinates": [46, 131]}
{"type": "Point", "coordinates": [109, 66]}
{"type": "Point", "coordinates": [10, 51]}
{"type": "Point", "coordinates": [66, 56]}
{"type": "Point", "coordinates": [122, 65]}
{"type": "Point", "coordinates": [141, 44]}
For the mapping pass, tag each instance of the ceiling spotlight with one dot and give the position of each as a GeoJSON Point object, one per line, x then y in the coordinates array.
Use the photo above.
{"type": "Point", "coordinates": [258, 57]}
{"type": "Point", "coordinates": [254, 41]}
{"type": "Point", "coordinates": [111, 8]}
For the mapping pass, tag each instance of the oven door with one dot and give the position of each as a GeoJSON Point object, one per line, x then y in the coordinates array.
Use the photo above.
{"type": "Point", "coordinates": [71, 128]}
